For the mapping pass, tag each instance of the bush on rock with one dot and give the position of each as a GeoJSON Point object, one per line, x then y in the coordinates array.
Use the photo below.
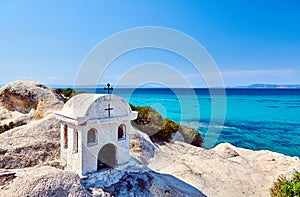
{"type": "Point", "coordinates": [283, 187]}
{"type": "Point", "coordinates": [161, 129]}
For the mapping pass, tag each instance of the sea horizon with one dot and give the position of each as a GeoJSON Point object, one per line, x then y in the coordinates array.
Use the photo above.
{"type": "Point", "coordinates": [251, 86]}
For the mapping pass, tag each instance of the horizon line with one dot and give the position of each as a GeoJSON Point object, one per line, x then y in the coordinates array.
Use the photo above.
{"type": "Point", "coordinates": [251, 86]}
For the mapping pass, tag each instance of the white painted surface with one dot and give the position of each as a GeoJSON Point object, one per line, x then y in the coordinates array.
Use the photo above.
{"type": "Point", "coordinates": [86, 111]}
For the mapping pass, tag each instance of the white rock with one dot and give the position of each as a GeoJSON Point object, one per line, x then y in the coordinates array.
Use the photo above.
{"type": "Point", "coordinates": [23, 101]}
{"type": "Point", "coordinates": [177, 137]}
{"type": "Point", "coordinates": [30, 144]}
{"type": "Point", "coordinates": [43, 181]}
{"type": "Point", "coordinates": [223, 171]}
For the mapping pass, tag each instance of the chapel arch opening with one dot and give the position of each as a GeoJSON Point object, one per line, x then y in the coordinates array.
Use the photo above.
{"type": "Point", "coordinates": [106, 157]}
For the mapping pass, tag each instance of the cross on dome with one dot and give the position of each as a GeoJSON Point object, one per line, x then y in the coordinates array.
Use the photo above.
{"type": "Point", "coordinates": [108, 88]}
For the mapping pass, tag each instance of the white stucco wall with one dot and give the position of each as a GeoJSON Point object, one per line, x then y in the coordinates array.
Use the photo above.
{"type": "Point", "coordinates": [85, 160]}
{"type": "Point", "coordinates": [69, 157]}
{"type": "Point", "coordinates": [106, 134]}
{"type": "Point", "coordinates": [63, 151]}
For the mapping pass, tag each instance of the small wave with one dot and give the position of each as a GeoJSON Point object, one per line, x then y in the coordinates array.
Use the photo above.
{"type": "Point", "coordinates": [166, 99]}
{"type": "Point", "coordinates": [267, 100]}
{"type": "Point", "coordinates": [174, 111]}
{"type": "Point", "coordinates": [291, 107]}
{"type": "Point", "coordinates": [229, 127]}
{"type": "Point", "coordinates": [292, 102]}
{"type": "Point", "coordinates": [272, 106]}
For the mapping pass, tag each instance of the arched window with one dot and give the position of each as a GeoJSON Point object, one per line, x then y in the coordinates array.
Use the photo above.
{"type": "Point", "coordinates": [92, 137]}
{"type": "Point", "coordinates": [65, 136]}
{"type": "Point", "coordinates": [122, 132]}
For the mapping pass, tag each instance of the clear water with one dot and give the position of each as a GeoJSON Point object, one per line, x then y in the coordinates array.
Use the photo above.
{"type": "Point", "coordinates": [256, 119]}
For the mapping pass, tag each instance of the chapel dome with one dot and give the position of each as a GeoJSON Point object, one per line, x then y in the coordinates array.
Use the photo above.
{"type": "Point", "coordinates": [95, 106]}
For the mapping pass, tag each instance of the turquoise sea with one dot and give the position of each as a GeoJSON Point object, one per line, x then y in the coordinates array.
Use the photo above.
{"type": "Point", "coordinates": [256, 119]}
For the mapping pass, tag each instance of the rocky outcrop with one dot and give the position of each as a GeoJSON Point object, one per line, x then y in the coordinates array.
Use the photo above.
{"type": "Point", "coordinates": [224, 170]}
{"type": "Point", "coordinates": [150, 184]}
{"type": "Point", "coordinates": [30, 144]}
{"type": "Point", "coordinates": [43, 181]}
{"type": "Point", "coordinates": [23, 101]}
{"type": "Point", "coordinates": [49, 181]}
{"type": "Point", "coordinates": [141, 146]}
{"type": "Point", "coordinates": [177, 137]}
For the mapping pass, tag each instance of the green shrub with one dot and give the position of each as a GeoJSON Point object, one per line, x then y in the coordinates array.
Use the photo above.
{"type": "Point", "coordinates": [148, 120]}
{"type": "Point", "coordinates": [191, 135]}
{"type": "Point", "coordinates": [286, 188]}
{"type": "Point", "coordinates": [68, 93]}
{"type": "Point", "coordinates": [59, 91]}
{"type": "Point", "coordinates": [161, 129]}
{"type": "Point", "coordinates": [144, 115]}
{"type": "Point", "coordinates": [197, 140]}
{"type": "Point", "coordinates": [9, 126]}
{"type": "Point", "coordinates": [165, 132]}
{"type": "Point", "coordinates": [12, 125]}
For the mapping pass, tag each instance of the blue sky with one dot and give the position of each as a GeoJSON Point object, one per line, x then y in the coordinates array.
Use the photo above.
{"type": "Point", "coordinates": [250, 41]}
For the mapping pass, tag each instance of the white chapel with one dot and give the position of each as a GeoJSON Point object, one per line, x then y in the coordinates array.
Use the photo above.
{"type": "Point", "coordinates": [95, 132]}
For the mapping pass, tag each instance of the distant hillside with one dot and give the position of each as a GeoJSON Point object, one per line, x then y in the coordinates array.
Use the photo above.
{"type": "Point", "coordinates": [274, 86]}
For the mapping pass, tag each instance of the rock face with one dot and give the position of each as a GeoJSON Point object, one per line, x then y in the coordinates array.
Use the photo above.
{"type": "Point", "coordinates": [225, 170]}
{"type": "Point", "coordinates": [150, 184]}
{"type": "Point", "coordinates": [49, 181]}
{"type": "Point", "coordinates": [23, 101]}
{"type": "Point", "coordinates": [141, 146]}
{"type": "Point", "coordinates": [43, 181]}
{"type": "Point", "coordinates": [30, 144]}
{"type": "Point", "coordinates": [177, 137]}
{"type": "Point", "coordinates": [37, 141]}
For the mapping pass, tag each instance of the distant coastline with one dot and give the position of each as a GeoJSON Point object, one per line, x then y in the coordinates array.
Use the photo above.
{"type": "Point", "coordinates": [271, 86]}
{"type": "Point", "coordinates": [252, 86]}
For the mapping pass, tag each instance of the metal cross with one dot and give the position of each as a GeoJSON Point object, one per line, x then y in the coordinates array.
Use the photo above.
{"type": "Point", "coordinates": [108, 109]}
{"type": "Point", "coordinates": [108, 88]}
